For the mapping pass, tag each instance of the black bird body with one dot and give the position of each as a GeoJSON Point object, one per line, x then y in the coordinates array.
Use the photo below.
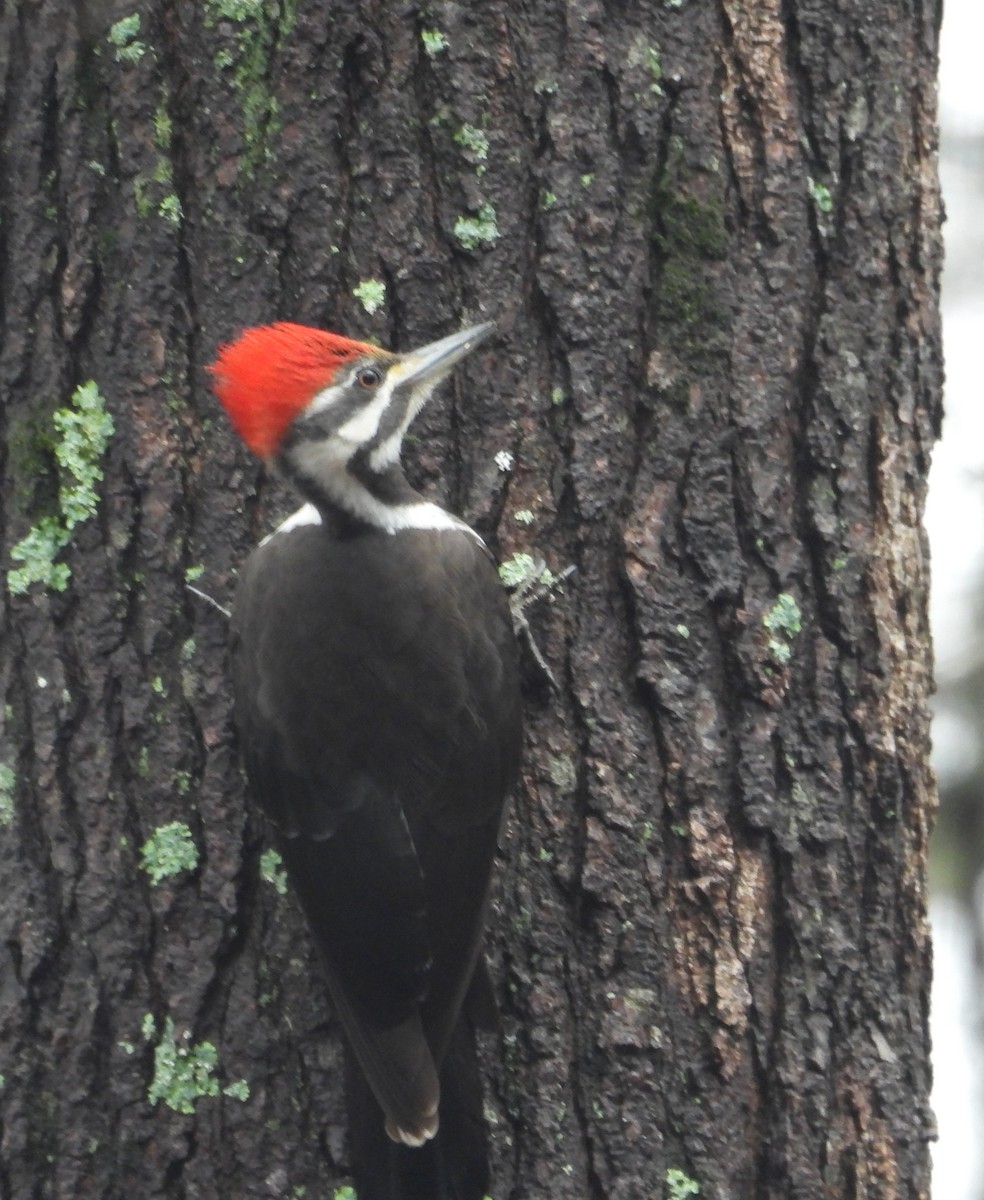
{"type": "Point", "coordinates": [377, 703]}
{"type": "Point", "coordinates": [381, 739]}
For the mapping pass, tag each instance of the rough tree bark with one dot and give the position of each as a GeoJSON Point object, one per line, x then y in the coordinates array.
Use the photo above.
{"type": "Point", "coordinates": [710, 234]}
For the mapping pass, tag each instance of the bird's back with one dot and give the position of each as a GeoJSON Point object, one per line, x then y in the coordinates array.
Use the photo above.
{"type": "Point", "coordinates": [387, 653]}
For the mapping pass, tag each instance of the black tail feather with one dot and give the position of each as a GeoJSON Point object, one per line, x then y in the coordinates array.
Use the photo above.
{"type": "Point", "coordinates": [451, 1166]}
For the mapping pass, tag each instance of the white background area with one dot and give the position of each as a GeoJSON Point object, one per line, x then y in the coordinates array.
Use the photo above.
{"type": "Point", "coordinates": [955, 521]}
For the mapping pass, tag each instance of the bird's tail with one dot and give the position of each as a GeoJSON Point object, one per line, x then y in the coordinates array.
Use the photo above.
{"type": "Point", "coordinates": [453, 1165]}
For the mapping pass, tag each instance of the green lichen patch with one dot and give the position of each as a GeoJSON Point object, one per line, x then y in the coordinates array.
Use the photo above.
{"type": "Point", "coordinates": [679, 1185]}
{"type": "Point", "coordinates": [170, 209]}
{"type": "Point", "coordinates": [272, 870]}
{"type": "Point", "coordinates": [477, 231]}
{"type": "Point", "coordinates": [562, 772]}
{"type": "Point", "coordinates": [122, 36]}
{"type": "Point", "coordinates": [83, 431]}
{"type": "Point", "coordinates": [184, 1072]}
{"type": "Point", "coordinates": [37, 550]}
{"type": "Point", "coordinates": [237, 1091]}
{"type": "Point", "coordinates": [655, 65]}
{"type": "Point", "coordinates": [155, 192]}
{"type": "Point", "coordinates": [694, 227]}
{"type": "Point", "coordinates": [371, 294]}
{"type": "Point", "coordinates": [820, 195]}
{"type": "Point", "coordinates": [169, 850]}
{"type": "Point", "coordinates": [689, 234]}
{"type": "Point", "coordinates": [518, 569]}
{"type": "Point", "coordinates": [522, 571]}
{"type": "Point", "coordinates": [475, 144]}
{"type": "Point", "coordinates": [783, 621]}
{"type": "Point", "coordinates": [235, 10]}
{"type": "Point", "coordinates": [258, 29]}
{"type": "Point", "coordinates": [8, 782]}
{"type": "Point", "coordinates": [434, 41]}
{"type": "Point", "coordinates": [163, 126]}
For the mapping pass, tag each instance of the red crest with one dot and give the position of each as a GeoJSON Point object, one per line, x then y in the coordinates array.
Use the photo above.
{"type": "Point", "coordinates": [272, 372]}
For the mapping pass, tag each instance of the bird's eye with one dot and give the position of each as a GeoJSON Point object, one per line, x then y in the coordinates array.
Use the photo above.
{"type": "Point", "coordinates": [368, 377]}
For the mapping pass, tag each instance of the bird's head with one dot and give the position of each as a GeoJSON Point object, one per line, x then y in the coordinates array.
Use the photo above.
{"type": "Point", "coordinates": [316, 400]}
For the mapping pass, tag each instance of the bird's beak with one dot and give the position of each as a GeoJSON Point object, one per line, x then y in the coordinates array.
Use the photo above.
{"type": "Point", "coordinates": [431, 363]}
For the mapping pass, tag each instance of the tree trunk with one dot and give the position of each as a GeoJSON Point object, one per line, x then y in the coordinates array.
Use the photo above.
{"type": "Point", "coordinates": [709, 234]}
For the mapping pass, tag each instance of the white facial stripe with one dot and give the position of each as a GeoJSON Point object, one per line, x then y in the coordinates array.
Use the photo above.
{"type": "Point", "coordinates": [363, 426]}
{"type": "Point", "coordinates": [388, 451]}
{"type": "Point", "coordinates": [324, 399]}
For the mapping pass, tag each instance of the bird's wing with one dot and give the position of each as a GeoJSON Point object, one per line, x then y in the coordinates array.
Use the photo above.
{"type": "Point", "coordinates": [362, 891]}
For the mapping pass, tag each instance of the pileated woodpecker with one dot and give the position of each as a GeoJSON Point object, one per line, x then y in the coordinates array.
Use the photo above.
{"type": "Point", "coordinates": [378, 709]}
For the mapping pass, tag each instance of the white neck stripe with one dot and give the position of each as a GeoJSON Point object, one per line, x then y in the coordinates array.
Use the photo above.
{"type": "Point", "coordinates": [307, 514]}
{"type": "Point", "coordinates": [420, 514]}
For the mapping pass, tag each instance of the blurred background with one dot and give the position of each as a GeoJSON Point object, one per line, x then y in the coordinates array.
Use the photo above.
{"type": "Point", "coordinates": [955, 520]}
